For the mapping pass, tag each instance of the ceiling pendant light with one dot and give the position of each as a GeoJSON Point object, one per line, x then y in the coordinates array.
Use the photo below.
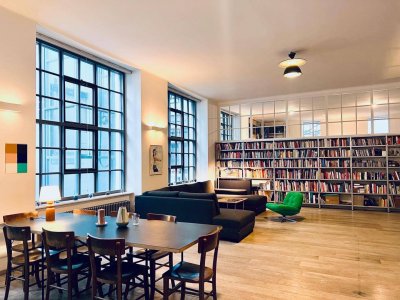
{"type": "Point", "coordinates": [292, 66]}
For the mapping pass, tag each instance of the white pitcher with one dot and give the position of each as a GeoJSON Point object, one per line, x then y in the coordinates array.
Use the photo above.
{"type": "Point", "coordinates": [122, 216]}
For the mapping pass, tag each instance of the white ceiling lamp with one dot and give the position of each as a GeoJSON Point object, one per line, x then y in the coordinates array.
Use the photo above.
{"type": "Point", "coordinates": [292, 66]}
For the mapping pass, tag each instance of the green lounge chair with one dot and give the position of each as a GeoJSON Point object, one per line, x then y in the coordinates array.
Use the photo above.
{"type": "Point", "coordinates": [291, 206]}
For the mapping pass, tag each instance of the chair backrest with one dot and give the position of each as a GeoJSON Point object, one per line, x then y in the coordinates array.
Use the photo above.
{"type": "Point", "coordinates": [206, 244]}
{"type": "Point", "coordinates": [294, 199]}
{"type": "Point", "coordinates": [25, 215]}
{"type": "Point", "coordinates": [61, 242]}
{"type": "Point", "coordinates": [20, 234]}
{"type": "Point", "coordinates": [84, 212]}
{"type": "Point", "coordinates": [160, 217]}
{"type": "Point", "coordinates": [113, 248]}
{"type": "Point", "coordinates": [236, 184]}
{"type": "Point", "coordinates": [110, 247]}
{"type": "Point", "coordinates": [58, 240]}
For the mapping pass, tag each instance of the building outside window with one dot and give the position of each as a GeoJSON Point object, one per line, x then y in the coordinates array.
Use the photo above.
{"type": "Point", "coordinates": [182, 139]}
{"type": "Point", "coordinates": [79, 124]}
{"type": "Point", "coordinates": [311, 129]}
{"type": "Point", "coordinates": [380, 126]}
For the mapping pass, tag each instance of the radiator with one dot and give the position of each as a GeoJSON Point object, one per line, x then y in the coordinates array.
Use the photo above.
{"type": "Point", "coordinates": [109, 207]}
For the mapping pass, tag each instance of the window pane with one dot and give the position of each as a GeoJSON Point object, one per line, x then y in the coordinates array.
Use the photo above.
{"type": "Point", "coordinates": [71, 92]}
{"type": "Point", "coordinates": [86, 159]}
{"type": "Point", "coordinates": [116, 141]}
{"type": "Point", "coordinates": [103, 118]}
{"type": "Point", "coordinates": [86, 140]}
{"type": "Point", "coordinates": [50, 136]}
{"type": "Point", "coordinates": [116, 101]}
{"type": "Point", "coordinates": [71, 138]}
{"type": "Point", "coordinates": [116, 160]}
{"type": "Point", "coordinates": [50, 109]}
{"type": "Point", "coordinates": [104, 140]}
{"type": "Point", "coordinates": [103, 183]}
{"type": "Point", "coordinates": [87, 71]}
{"type": "Point", "coordinates": [179, 175]}
{"type": "Point", "coordinates": [116, 180]}
{"type": "Point", "coordinates": [70, 65]}
{"type": "Point", "coordinates": [86, 95]}
{"type": "Point", "coordinates": [71, 112]}
{"type": "Point", "coordinates": [102, 98]}
{"type": "Point", "coordinates": [71, 185]}
{"type": "Point", "coordinates": [50, 59]}
{"type": "Point", "coordinates": [53, 179]}
{"type": "Point", "coordinates": [116, 120]}
{"type": "Point", "coordinates": [71, 159]}
{"type": "Point", "coordinates": [103, 160]}
{"type": "Point", "coordinates": [50, 161]}
{"type": "Point", "coordinates": [87, 183]}
{"type": "Point", "coordinates": [102, 77]}
{"type": "Point", "coordinates": [116, 81]}
{"type": "Point", "coordinates": [87, 115]}
{"type": "Point", "coordinates": [50, 85]}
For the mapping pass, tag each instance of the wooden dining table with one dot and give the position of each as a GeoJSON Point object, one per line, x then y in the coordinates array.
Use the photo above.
{"type": "Point", "coordinates": [153, 235]}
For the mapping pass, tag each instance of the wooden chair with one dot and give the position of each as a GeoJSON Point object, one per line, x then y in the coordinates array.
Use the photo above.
{"type": "Point", "coordinates": [72, 266]}
{"type": "Point", "coordinates": [116, 272]}
{"type": "Point", "coordinates": [84, 212]}
{"type": "Point", "coordinates": [186, 272]}
{"type": "Point", "coordinates": [34, 242]}
{"type": "Point", "coordinates": [30, 258]}
{"type": "Point", "coordinates": [151, 257]}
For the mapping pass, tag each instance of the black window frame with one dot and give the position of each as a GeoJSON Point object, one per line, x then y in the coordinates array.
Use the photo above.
{"type": "Point", "coordinates": [63, 125]}
{"type": "Point", "coordinates": [226, 126]}
{"type": "Point", "coordinates": [187, 137]}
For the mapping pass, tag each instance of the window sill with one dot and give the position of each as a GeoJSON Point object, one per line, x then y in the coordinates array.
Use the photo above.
{"type": "Point", "coordinates": [86, 200]}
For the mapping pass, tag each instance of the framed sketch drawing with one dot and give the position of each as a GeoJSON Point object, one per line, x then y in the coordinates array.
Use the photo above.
{"type": "Point", "coordinates": [156, 159]}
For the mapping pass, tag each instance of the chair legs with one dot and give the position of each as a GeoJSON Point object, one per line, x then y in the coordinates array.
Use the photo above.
{"type": "Point", "coordinates": [214, 287]}
{"type": "Point", "coordinates": [8, 281]}
{"type": "Point", "coordinates": [183, 290]}
{"type": "Point", "coordinates": [26, 282]}
{"type": "Point", "coordinates": [165, 288]}
{"type": "Point", "coordinates": [152, 278]}
{"type": "Point", "coordinates": [286, 219]}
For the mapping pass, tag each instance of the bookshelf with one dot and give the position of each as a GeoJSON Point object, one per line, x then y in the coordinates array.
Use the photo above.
{"type": "Point", "coordinates": [349, 172]}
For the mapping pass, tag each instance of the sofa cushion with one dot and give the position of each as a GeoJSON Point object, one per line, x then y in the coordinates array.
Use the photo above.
{"type": "Point", "coordinates": [196, 187]}
{"type": "Point", "coordinates": [208, 186]}
{"type": "Point", "coordinates": [210, 196]}
{"type": "Point", "coordinates": [178, 188]}
{"type": "Point", "coordinates": [162, 193]}
{"type": "Point", "coordinates": [234, 218]}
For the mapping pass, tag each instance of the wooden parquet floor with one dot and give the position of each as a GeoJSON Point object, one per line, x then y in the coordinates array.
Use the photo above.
{"type": "Point", "coordinates": [329, 254]}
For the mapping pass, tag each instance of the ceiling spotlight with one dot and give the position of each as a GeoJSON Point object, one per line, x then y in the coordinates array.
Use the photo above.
{"type": "Point", "coordinates": [292, 66]}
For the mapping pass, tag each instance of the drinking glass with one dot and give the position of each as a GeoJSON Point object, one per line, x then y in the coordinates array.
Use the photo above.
{"type": "Point", "coordinates": [135, 218]}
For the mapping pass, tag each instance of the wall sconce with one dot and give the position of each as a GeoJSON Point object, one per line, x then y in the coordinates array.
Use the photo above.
{"type": "Point", "coordinates": [156, 128]}
{"type": "Point", "coordinates": [6, 106]}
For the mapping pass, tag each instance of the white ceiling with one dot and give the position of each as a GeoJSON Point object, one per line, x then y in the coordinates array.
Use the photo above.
{"type": "Point", "coordinates": [230, 49]}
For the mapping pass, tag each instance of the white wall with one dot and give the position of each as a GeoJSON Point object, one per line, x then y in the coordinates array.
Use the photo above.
{"type": "Point", "coordinates": [17, 85]}
{"type": "Point", "coordinates": [213, 137]}
{"type": "Point", "coordinates": [154, 94]}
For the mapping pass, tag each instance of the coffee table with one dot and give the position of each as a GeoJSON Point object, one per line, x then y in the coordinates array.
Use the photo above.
{"type": "Point", "coordinates": [234, 201]}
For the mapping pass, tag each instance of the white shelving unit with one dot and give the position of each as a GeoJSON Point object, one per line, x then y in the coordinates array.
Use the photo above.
{"type": "Point", "coordinates": [362, 170]}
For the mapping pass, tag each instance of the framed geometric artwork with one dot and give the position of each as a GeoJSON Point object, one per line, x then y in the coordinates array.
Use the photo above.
{"type": "Point", "coordinates": [16, 158]}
